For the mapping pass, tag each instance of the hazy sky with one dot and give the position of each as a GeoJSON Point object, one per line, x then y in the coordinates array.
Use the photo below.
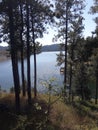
{"type": "Point", "coordinates": [88, 22]}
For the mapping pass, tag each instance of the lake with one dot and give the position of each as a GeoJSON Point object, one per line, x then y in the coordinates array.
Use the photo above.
{"type": "Point", "coordinates": [46, 69]}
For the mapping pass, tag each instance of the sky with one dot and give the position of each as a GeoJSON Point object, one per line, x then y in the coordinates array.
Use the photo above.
{"type": "Point", "coordinates": [89, 19]}
{"type": "Point", "coordinates": [88, 24]}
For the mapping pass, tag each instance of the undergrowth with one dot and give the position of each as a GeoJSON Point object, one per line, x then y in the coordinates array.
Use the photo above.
{"type": "Point", "coordinates": [79, 115]}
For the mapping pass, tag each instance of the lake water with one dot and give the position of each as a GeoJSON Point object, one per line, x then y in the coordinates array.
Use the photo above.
{"type": "Point", "coordinates": [46, 69]}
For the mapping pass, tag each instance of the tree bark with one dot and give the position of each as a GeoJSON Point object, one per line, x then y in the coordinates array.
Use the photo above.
{"type": "Point", "coordinates": [71, 73]}
{"type": "Point", "coordinates": [70, 82]}
{"type": "Point", "coordinates": [22, 53]}
{"type": "Point", "coordinates": [28, 54]}
{"type": "Point", "coordinates": [66, 40]}
{"type": "Point", "coordinates": [14, 57]}
{"type": "Point", "coordinates": [35, 67]}
{"type": "Point", "coordinates": [35, 73]}
{"type": "Point", "coordinates": [96, 97]}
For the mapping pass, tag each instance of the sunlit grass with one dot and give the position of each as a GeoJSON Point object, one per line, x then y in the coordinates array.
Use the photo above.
{"type": "Point", "coordinates": [61, 116]}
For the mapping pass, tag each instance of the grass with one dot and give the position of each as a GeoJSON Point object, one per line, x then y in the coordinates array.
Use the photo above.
{"type": "Point", "coordinates": [61, 116]}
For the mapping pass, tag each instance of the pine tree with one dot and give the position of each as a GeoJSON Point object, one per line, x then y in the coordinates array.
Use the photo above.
{"type": "Point", "coordinates": [28, 50]}
{"type": "Point", "coordinates": [22, 48]}
{"type": "Point", "coordinates": [40, 14]}
{"type": "Point", "coordinates": [94, 10]}
{"type": "Point", "coordinates": [8, 9]}
{"type": "Point", "coordinates": [70, 28]}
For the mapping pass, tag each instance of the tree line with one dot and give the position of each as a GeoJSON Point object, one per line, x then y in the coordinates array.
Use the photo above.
{"type": "Point", "coordinates": [80, 55]}
{"type": "Point", "coordinates": [23, 21]}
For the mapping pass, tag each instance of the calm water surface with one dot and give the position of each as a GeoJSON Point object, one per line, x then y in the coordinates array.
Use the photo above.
{"type": "Point", "coordinates": [46, 69]}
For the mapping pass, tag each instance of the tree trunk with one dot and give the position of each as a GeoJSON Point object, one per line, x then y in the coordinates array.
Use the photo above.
{"type": "Point", "coordinates": [70, 82]}
{"type": "Point", "coordinates": [96, 97]}
{"type": "Point", "coordinates": [35, 73]}
{"type": "Point", "coordinates": [14, 57]}
{"type": "Point", "coordinates": [35, 67]}
{"type": "Point", "coordinates": [66, 40]}
{"type": "Point", "coordinates": [82, 93]}
{"type": "Point", "coordinates": [71, 73]}
{"type": "Point", "coordinates": [28, 54]}
{"type": "Point", "coordinates": [22, 54]}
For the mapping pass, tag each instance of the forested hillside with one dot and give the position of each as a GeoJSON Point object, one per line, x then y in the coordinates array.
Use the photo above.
{"type": "Point", "coordinates": [46, 48]}
{"type": "Point", "coordinates": [70, 106]}
{"type": "Point", "coordinates": [3, 48]}
{"type": "Point", "coordinates": [52, 47]}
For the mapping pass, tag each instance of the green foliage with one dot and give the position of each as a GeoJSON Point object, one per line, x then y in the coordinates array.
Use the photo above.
{"type": "Point", "coordinates": [81, 108]}
{"type": "Point", "coordinates": [90, 45]}
{"type": "Point", "coordinates": [38, 48]}
{"type": "Point", "coordinates": [92, 106]}
{"type": "Point", "coordinates": [94, 7]}
{"type": "Point", "coordinates": [36, 116]}
{"type": "Point", "coordinates": [30, 117]}
{"type": "Point", "coordinates": [60, 58]}
{"type": "Point", "coordinates": [52, 89]}
{"type": "Point", "coordinates": [81, 82]}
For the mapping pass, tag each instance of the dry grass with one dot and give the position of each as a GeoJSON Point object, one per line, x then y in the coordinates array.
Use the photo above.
{"type": "Point", "coordinates": [67, 118]}
{"type": "Point", "coordinates": [62, 116]}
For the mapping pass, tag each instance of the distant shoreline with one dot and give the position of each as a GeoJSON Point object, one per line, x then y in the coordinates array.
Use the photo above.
{"type": "Point", "coordinates": [4, 55]}
{"type": "Point", "coordinates": [4, 58]}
